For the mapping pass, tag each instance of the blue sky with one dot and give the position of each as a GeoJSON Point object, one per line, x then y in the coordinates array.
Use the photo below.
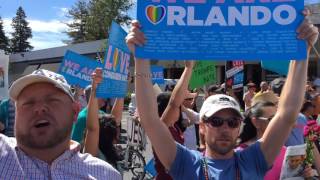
{"type": "Point", "coordinates": [45, 17]}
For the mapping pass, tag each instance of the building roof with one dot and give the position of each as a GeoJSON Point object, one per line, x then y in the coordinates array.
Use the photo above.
{"type": "Point", "coordinates": [58, 52]}
{"type": "Point", "coordinates": [315, 9]}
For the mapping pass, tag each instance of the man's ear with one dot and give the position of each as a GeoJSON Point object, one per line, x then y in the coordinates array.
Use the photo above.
{"type": "Point", "coordinates": [76, 110]}
{"type": "Point", "coordinates": [202, 128]}
{"type": "Point", "coordinates": [241, 128]}
{"type": "Point", "coordinates": [254, 122]}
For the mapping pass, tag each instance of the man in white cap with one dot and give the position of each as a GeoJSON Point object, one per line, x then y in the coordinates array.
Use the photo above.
{"type": "Point", "coordinates": [220, 123]}
{"type": "Point", "coordinates": [45, 112]}
{"type": "Point", "coordinates": [294, 162]}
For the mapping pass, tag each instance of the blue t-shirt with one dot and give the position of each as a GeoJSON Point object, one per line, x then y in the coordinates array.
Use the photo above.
{"type": "Point", "coordinates": [251, 161]}
{"type": "Point", "coordinates": [296, 137]}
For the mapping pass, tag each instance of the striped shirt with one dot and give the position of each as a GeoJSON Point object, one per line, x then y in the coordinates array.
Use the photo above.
{"type": "Point", "coordinates": [15, 164]}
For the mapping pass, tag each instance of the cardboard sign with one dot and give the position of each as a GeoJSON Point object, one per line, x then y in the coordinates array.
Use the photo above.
{"type": "Point", "coordinates": [77, 69]}
{"type": "Point", "coordinates": [203, 73]}
{"type": "Point", "coordinates": [116, 65]}
{"type": "Point", "coordinates": [221, 30]}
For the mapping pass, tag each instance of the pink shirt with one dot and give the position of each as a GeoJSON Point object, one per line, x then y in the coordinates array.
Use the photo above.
{"type": "Point", "coordinates": [274, 173]}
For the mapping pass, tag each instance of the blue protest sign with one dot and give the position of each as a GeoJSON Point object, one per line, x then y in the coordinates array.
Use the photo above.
{"type": "Point", "coordinates": [117, 37]}
{"type": "Point", "coordinates": [77, 69]}
{"type": "Point", "coordinates": [221, 30]}
{"type": "Point", "coordinates": [157, 74]}
{"type": "Point", "coordinates": [238, 80]}
{"type": "Point", "coordinates": [280, 67]}
{"type": "Point", "coordinates": [116, 65]}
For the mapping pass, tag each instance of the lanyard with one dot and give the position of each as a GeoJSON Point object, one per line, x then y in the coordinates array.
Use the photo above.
{"type": "Point", "coordinates": [204, 164]}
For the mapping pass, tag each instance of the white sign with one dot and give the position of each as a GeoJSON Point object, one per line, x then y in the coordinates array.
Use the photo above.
{"type": "Point", "coordinates": [4, 66]}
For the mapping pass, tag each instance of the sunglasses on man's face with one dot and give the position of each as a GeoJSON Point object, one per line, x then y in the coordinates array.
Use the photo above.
{"type": "Point", "coordinates": [232, 122]}
{"type": "Point", "coordinates": [188, 99]}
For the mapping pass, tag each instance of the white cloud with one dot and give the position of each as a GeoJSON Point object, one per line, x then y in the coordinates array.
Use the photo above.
{"type": "Point", "coordinates": [53, 26]}
{"type": "Point", "coordinates": [40, 44]}
{"type": "Point", "coordinates": [64, 11]}
{"type": "Point", "coordinates": [61, 11]}
{"type": "Point", "coordinates": [46, 34]}
{"type": "Point", "coordinates": [43, 40]}
{"type": "Point", "coordinates": [7, 25]}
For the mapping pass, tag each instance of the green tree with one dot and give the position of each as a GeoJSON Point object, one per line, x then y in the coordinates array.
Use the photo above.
{"type": "Point", "coordinates": [4, 42]}
{"type": "Point", "coordinates": [99, 18]}
{"type": "Point", "coordinates": [21, 33]}
{"type": "Point", "coordinates": [101, 14]}
{"type": "Point", "coordinates": [79, 14]}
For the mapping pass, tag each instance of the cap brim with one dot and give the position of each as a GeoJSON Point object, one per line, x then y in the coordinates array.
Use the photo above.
{"type": "Point", "coordinates": [213, 110]}
{"type": "Point", "coordinates": [27, 80]}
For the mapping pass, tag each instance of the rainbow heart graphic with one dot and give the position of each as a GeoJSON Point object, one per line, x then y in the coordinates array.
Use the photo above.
{"type": "Point", "coordinates": [155, 14]}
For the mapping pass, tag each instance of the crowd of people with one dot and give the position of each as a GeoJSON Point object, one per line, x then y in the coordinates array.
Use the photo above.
{"type": "Point", "coordinates": [52, 131]}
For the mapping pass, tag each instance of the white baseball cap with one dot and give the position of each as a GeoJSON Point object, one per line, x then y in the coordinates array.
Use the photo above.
{"type": "Point", "coordinates": [296, 150]}
{"type": "Point", "coordinates": [40, 75]}
{"type": "Point", "coordinates": [218, 102]}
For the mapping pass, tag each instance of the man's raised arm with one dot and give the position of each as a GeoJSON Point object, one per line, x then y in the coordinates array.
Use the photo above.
{"type": "Point", "coordinates": [291, 98]}
{"type": "Point", "coordinates": [172, 111]}
{"type": "Point", "coordinates": [158, 133]}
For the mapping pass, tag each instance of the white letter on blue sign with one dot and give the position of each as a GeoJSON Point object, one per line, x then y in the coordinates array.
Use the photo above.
{"type": "Point", "coordinates": [242, 17]}
{"type": "Point", "coordinates": [215, 16]}
{"type": "Point", "coordinates": [176, 14]}
{"type": "Point", "coordinates": [255, 10]}
{"type": "Point", "coordinates": [191, 19]}
{"type": "Point", "coordinates": [292, 14]}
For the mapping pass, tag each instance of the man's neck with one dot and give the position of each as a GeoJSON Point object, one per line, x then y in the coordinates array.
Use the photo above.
{"type": "Point", "coordinates": [46, 155]}
{"type": "Point", "coordinates": [214, 155]}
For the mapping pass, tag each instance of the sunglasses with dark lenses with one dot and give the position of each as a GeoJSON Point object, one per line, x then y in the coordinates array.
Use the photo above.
{"type": "Point", "coordinates": [233, 122]}
{"type": "Point", "coordinates": [188, 99]}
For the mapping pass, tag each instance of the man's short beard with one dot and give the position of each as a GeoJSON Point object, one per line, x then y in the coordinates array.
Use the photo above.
{"type": "Point", "coordinates": [222, 151]}
{"type": "Point", "coordinates": [58, 137]}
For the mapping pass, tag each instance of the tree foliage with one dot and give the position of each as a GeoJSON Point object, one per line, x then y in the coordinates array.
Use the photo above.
{"type": "Point", "coordinates": [21, 33]}
{"type": "Point", "coordinates": [97, 21]}
{"type": "Point", "coordinates": [4, 42]}
{"type": "Point", "coordinates": [79, 14]}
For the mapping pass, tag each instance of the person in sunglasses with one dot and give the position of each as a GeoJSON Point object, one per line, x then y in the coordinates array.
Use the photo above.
{"type": "Point", "coordinates": [257, 119]}
{"type": "Point", "coordinates": [220, 120]}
